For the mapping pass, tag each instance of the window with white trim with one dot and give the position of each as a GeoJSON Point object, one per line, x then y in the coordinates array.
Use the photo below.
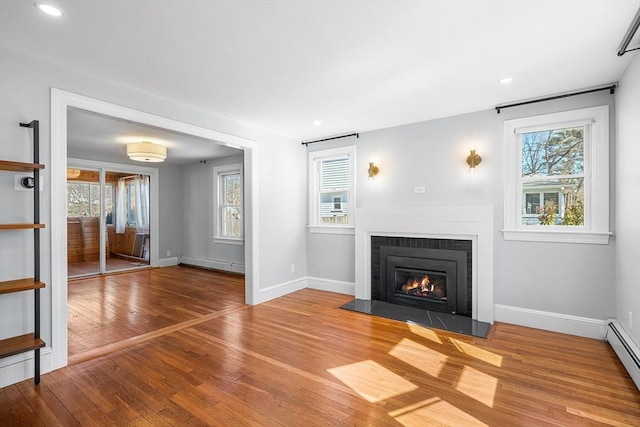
{"type": "Point", "coordinates": [557, 177]}
{"type": "Point", "coordinates": [332, 190]}
{"type": "Point", "coordinates": [229, 216]}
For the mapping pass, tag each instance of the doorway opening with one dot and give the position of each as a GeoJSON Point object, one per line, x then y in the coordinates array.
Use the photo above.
{"type": "Point", "coordinates": [61, 102]}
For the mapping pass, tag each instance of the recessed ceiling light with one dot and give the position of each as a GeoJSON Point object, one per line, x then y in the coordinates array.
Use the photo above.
{"type": "Point", "coordinates": [49, 10]}
{"type": "Point", "coordinates": [317, 122]}
{"type": "Point", "coordinates": [506, 80]}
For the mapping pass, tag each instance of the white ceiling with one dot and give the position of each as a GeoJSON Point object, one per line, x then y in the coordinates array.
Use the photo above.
{"type": "Point", "coordinates": [355, 65]}
{"type": "Point", "coordinates": [98, 137]}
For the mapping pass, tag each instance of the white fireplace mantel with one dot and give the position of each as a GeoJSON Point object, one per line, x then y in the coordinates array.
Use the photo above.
{"type": "Point", "coordinates": [463, 223]}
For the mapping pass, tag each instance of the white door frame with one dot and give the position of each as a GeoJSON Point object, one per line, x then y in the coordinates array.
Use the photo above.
{"type": "Point", "coordinates": [60, 102]}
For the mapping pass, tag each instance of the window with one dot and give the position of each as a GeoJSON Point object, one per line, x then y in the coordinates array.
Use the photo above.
{"type": "Point", "coordinates": [131, 202]}
{"type": "Point", "coordinates": [83, 200]}
{"type": "Point", "coordinates": [229, 217]}
{"type": "Point", "coordinates": [556, 177]}
{"type": "Point", "coordinates": [331, 190]}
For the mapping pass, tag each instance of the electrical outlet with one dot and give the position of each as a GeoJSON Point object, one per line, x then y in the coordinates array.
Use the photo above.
{"type": "Point", "coordinates": [630, 320]}
{"type": "Point", "coordinates": [168, 253]}
{"type": "Point", "coordinates": [293, 268]}
{"type": "Point", "coordinates": [419, 190]}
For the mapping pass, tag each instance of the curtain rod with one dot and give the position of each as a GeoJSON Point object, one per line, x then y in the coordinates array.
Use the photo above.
{"type": "Point", "coordinates": [306, 143]}
{"type": "Point", "coordinates": [611, 89]}
{"type": "Point", "coordinates": [635, 23]}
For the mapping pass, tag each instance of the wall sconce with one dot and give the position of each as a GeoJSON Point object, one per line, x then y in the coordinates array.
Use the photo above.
{"type": "Point", "coordinates": [473, 160]}
{"type": "Point", "coordinates": [373, 170]}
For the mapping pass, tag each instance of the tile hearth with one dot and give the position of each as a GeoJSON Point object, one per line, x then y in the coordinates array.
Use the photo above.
{"type": "Point", "coordinates": [430, 319]}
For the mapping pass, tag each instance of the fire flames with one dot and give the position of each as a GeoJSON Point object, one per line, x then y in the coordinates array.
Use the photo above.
{"type": "Point", "coordinates": [423, 285]}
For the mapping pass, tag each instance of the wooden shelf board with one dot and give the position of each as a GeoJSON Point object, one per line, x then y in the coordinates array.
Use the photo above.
{"type": "Point", "coordinates": [19, 285]}
{"type": "Point", "coordinates": [19, 344]}
{"type": "Point", "coordinates": [7, 165]}
{"type": "Point", "coordinates": [20, 226]}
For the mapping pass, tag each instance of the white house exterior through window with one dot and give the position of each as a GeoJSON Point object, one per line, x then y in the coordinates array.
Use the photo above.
{"type": "Point", "coordinates": [331, 190]}
{"type": "Point", "coordinates": [557, 177]}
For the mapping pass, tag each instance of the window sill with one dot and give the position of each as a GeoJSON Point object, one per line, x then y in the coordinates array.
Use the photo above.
{"type": "Point", "coordinates": [332, 229]}
{"type": "Point", "coordinates": [587, 237]}
{"type": "Point", "coordinates": [226, 241]}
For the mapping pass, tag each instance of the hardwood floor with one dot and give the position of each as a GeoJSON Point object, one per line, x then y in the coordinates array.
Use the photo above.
{"type": "Point", "coordinates": [107, 309]}
{"type": "Point", "coordinates": [93, 267]}
{"type": "Point", "coordinates": [301, 360]}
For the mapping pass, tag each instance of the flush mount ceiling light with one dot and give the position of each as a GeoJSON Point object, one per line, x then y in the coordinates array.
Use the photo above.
{"type": "Point", "coordinates": [146, 152]}
{"type": "Point", "coordinates": [317, 122]}
{"type": "Point", "coordinates": [49, 9]}
{"type": "Point", "coordinates": [506, 80]}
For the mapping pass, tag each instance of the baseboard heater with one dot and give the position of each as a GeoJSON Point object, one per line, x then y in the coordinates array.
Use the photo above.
{"type": "Point", "coordinates": [628, 352]}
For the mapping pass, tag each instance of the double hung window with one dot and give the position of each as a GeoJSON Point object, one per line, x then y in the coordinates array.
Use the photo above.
{"type": "Point", "coordinates": [331, 190]}
{"type": "Point", "coordinates": [229, 215]}
{"type": "Point", "coordinates": [556, 178]}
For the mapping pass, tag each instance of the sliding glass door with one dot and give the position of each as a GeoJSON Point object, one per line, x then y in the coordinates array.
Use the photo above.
{"type": "Point", "coordinates": [107, 221]}
{"type": "Point", "coordinates": [128, 233]}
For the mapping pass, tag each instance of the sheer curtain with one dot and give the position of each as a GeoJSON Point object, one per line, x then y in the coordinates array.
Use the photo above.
{"type": "Point", "coordinates": [141, 183]}
{"type": "Point", "coordinates": [121, 207]}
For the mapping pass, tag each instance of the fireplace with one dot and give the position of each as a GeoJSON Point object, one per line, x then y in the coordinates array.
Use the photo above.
{"type": "Point", "coordinates": [471, 224]}
{"type": "Point", "coordinates": [419, 273]}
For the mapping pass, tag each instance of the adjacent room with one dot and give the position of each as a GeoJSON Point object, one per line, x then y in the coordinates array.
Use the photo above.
{"type": "Point", "coordinates": [371, 213]}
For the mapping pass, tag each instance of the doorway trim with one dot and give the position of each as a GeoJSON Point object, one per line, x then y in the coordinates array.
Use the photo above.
{"type": "Point", "coordinates": [60, 101]}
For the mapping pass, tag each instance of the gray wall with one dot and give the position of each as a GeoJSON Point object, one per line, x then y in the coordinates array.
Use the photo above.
{"type": "Point", "coordinates": [25, 85]}
{"type": "Point", "coordinates": [627, 266]}
{"type": "Point", "coordinates": [171, 210]}
{"type": "Point", "coordinates": [557, 277]}
{"type": "Point", "coordinates": [197, 219]}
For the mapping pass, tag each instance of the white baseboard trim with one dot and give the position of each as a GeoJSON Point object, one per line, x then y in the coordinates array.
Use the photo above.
{"type": "Point", "coordinates": [212, 263]}
{"type": "Point", "coordinates": [168, 262]}
{"type": "Point", "coordinates": [557, 322]}
{"type": "Point", "coordinates": [281, 289]}
{"type": "Point", "coordinates": [338, 286]}
{"type": "Point", "coordinates": [15, 369]}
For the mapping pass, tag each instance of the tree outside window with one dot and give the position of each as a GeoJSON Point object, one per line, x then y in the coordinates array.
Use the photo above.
{"type": "Point", "coordinates": [552, 176]}
{"type": "Point", "coordinates": [556, 186]}
{"type": "Point", "coordinates": [83, 200]}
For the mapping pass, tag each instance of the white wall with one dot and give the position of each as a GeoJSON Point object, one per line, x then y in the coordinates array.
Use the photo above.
{"type": "Point", "coordinates": [25, 87]}
{"type": "Point", "coordinates": [627, 176]}
{"type": "Point", "coordinates": [197, 220]}
{"type": "Point", "coordinates": [559, 278]}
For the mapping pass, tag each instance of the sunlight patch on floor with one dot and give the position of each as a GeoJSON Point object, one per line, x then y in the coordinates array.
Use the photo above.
{"type": "Point", "coordinates": [372, 381]}
{"type": "Point", "coordinates": [434, 411]}
{"type": "Point", "coordinates": [429, 334]}
{"type": "Point", "coordinates": [477, 352]}
{"type": "Point", "coordinates": [477, 385]}
{"type": "Point", "coordinates": [420, 357]}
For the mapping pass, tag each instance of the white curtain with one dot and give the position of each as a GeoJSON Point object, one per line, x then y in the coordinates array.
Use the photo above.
{"type": "Point", "coordinates": [121, 206]}
{"type": "Point", "coordinates": [141, 183]}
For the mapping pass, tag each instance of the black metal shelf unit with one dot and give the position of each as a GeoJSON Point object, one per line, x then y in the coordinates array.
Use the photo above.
{"type": "Point", "coordinates": [30, 341]}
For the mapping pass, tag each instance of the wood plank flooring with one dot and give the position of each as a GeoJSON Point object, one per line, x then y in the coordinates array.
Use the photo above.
{"type": "Point", "coordinates": [301, 360]}
{"type": "Point", "coordinates": [80, 268]}
{"type": "Point", "coordinates": [108, 309]}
